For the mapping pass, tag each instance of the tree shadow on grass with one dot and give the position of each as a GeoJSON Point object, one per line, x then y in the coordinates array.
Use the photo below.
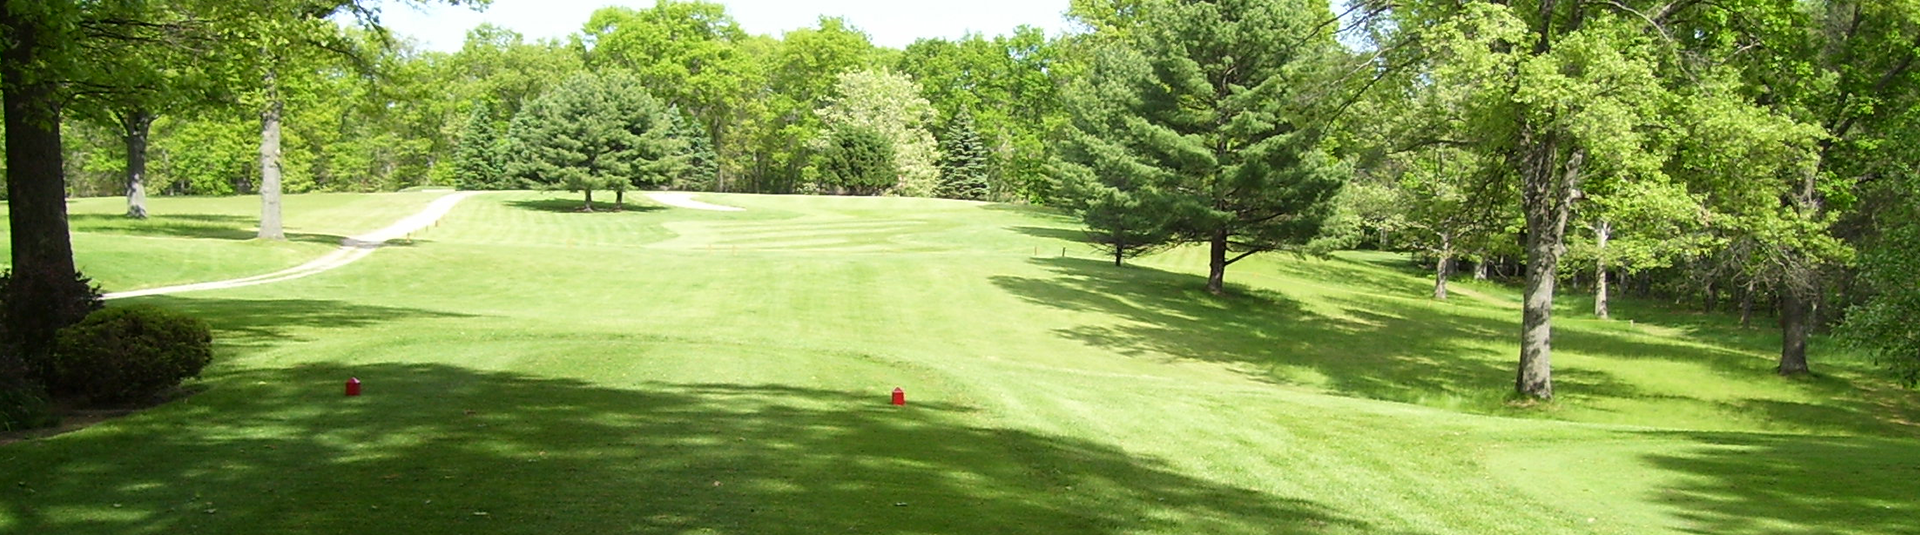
{"type": "Point", "coordinates": [573, 206]}
{"type": "Point", "coordinates": [1740, 484]}
{"type": "Point", "coordinates": [1408, 349]}
{"type": "Point", "coordinates": [1381, 351]}
{"type": "Point", "coordinates": [258, 322]}
{"type": "Point", "coordinates": [198, 226]}
{"type": "Point", "coordinates": [442, 449]}
{"type": "Point", "coordinates": [1068, 234]}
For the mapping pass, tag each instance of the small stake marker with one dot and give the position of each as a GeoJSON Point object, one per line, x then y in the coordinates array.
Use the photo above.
{"type": "Point", "coordinates": [353, 386]}
{"type": "Point", "coordinates": [899, 397]}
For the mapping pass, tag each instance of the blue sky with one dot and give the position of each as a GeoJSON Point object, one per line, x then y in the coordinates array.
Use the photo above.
{"type": "Point", "coordinates": [893, 23]}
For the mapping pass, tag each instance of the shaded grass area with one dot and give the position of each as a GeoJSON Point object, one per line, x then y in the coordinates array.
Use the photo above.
{"type": "Point", "coordinates": [192, 226]}
{"type": "Point", "coordinates": [435, 448]}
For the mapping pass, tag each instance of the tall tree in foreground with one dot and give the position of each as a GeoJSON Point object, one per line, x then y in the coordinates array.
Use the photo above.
{"type": "Point", "coordinates": [1205, 105]}
{"type": "Point", "coordinates": [594, 132]}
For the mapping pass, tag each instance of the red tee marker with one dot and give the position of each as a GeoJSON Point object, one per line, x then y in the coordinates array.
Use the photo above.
{"type": "Point", "coordinates": [353, 386]}
{"type": "Point", "coordinates": [899, 397]}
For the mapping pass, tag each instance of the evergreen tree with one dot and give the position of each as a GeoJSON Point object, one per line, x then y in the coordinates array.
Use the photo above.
{"type": "Point", "coordinates": [964, 160]}
{"type": "Point", "coordinates": [1201, 106]}
{"type": "Point", "coordinates": [595, 132]}
{"type": "Point", "coordinates": [476, 162]}
{"type": "Point", "coordinates": [1125, 223]}
{"type": "Point", "coordinates": [702, 171]}
{"type": "Point", "coordinates": [857, 161]}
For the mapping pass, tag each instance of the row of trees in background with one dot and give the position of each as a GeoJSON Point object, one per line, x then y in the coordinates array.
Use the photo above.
{"type": "Point", "coordinates": [758, 112]}
{"type": "Point", "coordinates": [1749, 155]}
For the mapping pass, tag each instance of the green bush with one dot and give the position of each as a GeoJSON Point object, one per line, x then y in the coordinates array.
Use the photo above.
{"type": "Point", "coordinates": [22, 408]}
{"type": "Point", "coordinates": [128, 354]}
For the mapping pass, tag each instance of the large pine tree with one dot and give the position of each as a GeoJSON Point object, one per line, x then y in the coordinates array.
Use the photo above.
{"type": "Point", "coordinates": [1200, 104]}
{"type": "Point", "coordinates": [595, 132]}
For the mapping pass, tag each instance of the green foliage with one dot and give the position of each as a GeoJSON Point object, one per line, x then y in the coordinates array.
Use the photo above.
{"type": "Point", "coordinates": [477, 160]}
{"type": "Point", "coordinates": [22, 407]}
{"type": "Point", "coordinates": [964, 161]}
{"type": "Point", "coordinates": [1127, 224]}
{"type": "Point", "coordinates": [1884, 325]}
{"type": "Point", "coordinates": [595, 132]}
{"type": "Point", "coordinates": [889, 104]}
{"type": "Point", "coordinates": [85, 298]}
{"type": "Point", "coordinates": [1200, 108]}
{"type": "Point", "coordinates": [1009, 85]}
{"type": "Point", "coordinates": [858, 161]}
{"type": "Point", "coordinates": [128, 354]}
{"type": "Point", "coordinates": [703, 165]}
{"type": "Point", "coordinates": [203, 155]}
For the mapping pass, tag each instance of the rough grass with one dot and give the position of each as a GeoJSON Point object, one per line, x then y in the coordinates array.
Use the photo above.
{"type": "Point", "coordinates": [531, 370]}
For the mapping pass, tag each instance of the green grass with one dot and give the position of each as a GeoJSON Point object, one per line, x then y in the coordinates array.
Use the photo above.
{"type": "Point", "coordinates": [197, 239]}
{"type": "Point", "coordinates": [529, 369]}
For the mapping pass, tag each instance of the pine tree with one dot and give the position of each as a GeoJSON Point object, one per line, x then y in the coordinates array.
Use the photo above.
{"type": "Point", "coordinates": [702, 171]}
{"type": "Point", "coordinates": [595, 132]}
{"type": "Point", "coordinates": [858, 161]}
{"type": "Point", "coordinates": [476, 161]}
{"type": "Point", "coordinates": [963, 160]}
{"type": "Point", "coordinates": [1196, 109]}
{"type": "Point", "coordinates": [1126, 224]}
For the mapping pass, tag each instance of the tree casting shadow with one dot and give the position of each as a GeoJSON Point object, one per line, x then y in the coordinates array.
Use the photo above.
{"type": "Point", "coordinates": [433, 448]}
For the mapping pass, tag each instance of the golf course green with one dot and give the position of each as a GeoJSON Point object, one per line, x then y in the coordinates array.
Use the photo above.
{"type": "Point", "coordinates": [529, 368]}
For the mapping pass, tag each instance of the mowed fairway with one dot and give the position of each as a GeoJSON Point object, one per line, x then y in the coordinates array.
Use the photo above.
{"type": "Point", "coordinates": [531, 369]}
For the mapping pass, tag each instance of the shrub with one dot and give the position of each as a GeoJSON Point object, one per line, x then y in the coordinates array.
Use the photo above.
{"type": "Point", "coordinates": [128, 354]}
{"type": "Point", "coordinates": [23, 408]}
{"type": "Point", "coordinates": [82, 297]}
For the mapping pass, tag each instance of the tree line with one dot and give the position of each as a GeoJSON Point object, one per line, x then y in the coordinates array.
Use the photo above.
{"type": "Point", "coordinates": [1750, 155]}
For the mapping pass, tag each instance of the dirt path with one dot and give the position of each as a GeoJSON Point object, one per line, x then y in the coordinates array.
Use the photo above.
{"type": "Point", "coordinates": [685, 200]}
{"type": "Point", "coordinates": [351, 249]}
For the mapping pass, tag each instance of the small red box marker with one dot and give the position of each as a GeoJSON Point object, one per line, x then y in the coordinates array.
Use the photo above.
{"type": "Point", "coordinates": [899, 397]}
{"type": "Point", "coordinates": [353, 386]}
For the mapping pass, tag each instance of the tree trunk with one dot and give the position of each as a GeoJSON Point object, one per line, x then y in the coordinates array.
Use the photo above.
{"type": "Point", "coordinates": [619, 200]}
{"type": "Point", "coordinates": [1713, 297]}
{"type": "Point", "coordinates": [1480, 270]}
{"type": "Point", "coordinates": [1119, 253]}
{"type": "Point", "coordinates": [1217, 264]}
{"type": "Point", "coordinates": [1443, 268]}
{"type": "Point", "coordinates": [589, 206]}
{"type": "Point", "coordinates": [270, 164]}
{"type": "Point", "coordinates": [1796, 322]}
{"type": "Point", "coordinates": [1746, 307]}
{"type": "Point", "coordinates": [1548, 188]}
{"type": "Point", "coordinates": [134, 127]}
{"type": "Point", "coordinates": [1601, 233]}
{"type": "Point", "coordinates": [42, 288]}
